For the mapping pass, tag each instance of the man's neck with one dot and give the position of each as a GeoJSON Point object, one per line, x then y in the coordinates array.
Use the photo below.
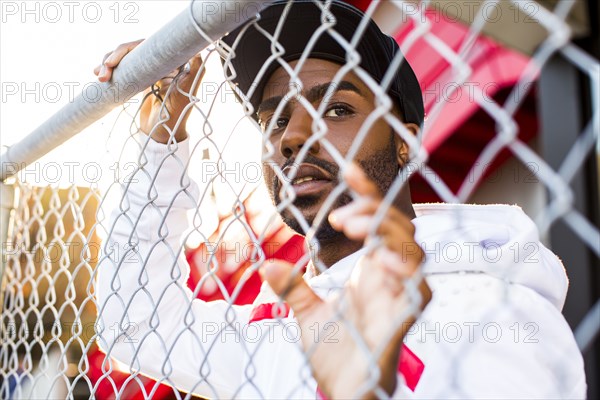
{"type": "Point", "coordinates": [333, 250]}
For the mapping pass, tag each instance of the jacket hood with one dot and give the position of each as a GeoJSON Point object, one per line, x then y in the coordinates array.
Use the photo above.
{"type": "Point", "coordinates": [499, 240]}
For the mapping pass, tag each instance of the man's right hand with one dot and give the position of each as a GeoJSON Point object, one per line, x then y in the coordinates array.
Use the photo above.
{"type": "Point", "coordinates": [177, 108]}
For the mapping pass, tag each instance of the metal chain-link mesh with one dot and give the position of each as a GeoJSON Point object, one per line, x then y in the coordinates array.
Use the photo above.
{"type": "Point", "coordinates": [148, 284]}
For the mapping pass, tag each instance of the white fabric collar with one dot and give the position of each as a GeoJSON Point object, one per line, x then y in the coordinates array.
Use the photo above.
{"type": "Point", "coordinates": [335, 277]}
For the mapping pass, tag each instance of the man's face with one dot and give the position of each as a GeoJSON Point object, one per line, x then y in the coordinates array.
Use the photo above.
{"type": "Point", "coordinates": [316, 174]}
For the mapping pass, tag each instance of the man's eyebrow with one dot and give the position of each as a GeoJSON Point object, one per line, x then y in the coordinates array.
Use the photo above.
{"type": "Point", "coordinates": [314, 94]}
{"type": "Point", "coordinates": [269, 104]}
{"type": "Point", "coordinates": [317, 93]}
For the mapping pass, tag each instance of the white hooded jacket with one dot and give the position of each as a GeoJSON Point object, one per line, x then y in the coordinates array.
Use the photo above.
{"type": "Point", "coordinates": [493, 329]}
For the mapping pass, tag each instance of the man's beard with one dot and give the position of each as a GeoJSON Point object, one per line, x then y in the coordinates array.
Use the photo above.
{"type": "Point", "coordinates": [382, 168]}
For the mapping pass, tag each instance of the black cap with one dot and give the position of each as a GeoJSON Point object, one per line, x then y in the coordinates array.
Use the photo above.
{"type": "Point", "coordinates": [376, 50]}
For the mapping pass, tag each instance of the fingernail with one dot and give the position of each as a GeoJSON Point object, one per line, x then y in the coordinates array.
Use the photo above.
{"type": "Point", "coordinates": [333, 217]}
{"type": "Point", "coordinates": [266, 270]}
{"type": "Point", "coordinates": [349, 168]}
{"type": "Point", "coordinates": [262, 273]}
{"type": "Point", "coordinates": [341, 212]}
{"type": "Point", "coordinates": [351, 171]}
{"type": "Point", "coordinates": [102, 70]}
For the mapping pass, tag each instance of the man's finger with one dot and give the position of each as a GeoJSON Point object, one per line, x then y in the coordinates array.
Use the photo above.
{"type": "Point", "coordinates": [195, 64]}
{"type": "Point", "coordinates": [397, 265]}
{"type": "Point", "coordinates": [186, 82]}
{"type": "Point", "coordinates": [357, 227]}
{"type": "Point", "coordinates": [121, 51]}
{"type": "Point", "coordinates": [101, 71]}
{"type": "Point", "coordinates": [289, 284]}
{"type": "Point", "coordinates": [359, 182]}
{"type": "Point", "coordinates": [112, 59]}
{"type": "Point", "coordinates": [359, 206]}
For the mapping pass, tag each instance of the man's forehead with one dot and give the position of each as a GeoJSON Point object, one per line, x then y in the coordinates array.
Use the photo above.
{"type": "Point", "coordinates": [313, 73]}
{"type": "Point", "coordinates": [312, 93]}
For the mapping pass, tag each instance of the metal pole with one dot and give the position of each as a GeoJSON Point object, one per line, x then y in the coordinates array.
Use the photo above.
{"type": "Point", "coordinates": [167, 49]}
{"type": "Point", "coordinates": [7, 207]}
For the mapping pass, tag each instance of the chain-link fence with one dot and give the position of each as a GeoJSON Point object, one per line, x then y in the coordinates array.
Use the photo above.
{"type": "Point", "coordinates": [150, 284]}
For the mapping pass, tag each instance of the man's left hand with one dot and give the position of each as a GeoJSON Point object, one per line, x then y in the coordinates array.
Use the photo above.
{"type": "Point", "coordinates": [381, 301]}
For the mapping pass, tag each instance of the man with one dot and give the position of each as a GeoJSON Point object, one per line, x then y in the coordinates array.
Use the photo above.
{"type": "Point", "coordinates": [468, 341]}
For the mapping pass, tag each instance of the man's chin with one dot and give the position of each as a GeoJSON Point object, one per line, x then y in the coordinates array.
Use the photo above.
{"type": "Point", "coordinates": [324, 233]}
{"type": "Point", "coordinates": [309, 207]}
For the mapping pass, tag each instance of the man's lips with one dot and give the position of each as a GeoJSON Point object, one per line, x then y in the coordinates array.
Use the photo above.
{"type": "Point", "coordinates": [309, 179]}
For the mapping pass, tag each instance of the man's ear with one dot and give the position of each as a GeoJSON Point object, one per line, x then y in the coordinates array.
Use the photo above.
{"type": "Point", "coordinates": [402, 150]}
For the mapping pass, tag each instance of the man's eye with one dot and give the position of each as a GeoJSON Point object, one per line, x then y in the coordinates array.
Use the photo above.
{"type": "Point", "coordinates": [280, 123]}
{"type": "Point", "coordinates": [338, 111]}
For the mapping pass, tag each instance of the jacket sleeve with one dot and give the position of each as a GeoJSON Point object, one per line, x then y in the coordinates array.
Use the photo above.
{"type": "Point", "coordinates": [494, 327]}
{"type": "Point", "coordinates": [482, 337]}
{"type": "Point", "coordinates": [148, 319]}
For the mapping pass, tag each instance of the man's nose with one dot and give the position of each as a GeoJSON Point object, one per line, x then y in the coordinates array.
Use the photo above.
{"type": "Point", "coordinates": [297, 133]}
